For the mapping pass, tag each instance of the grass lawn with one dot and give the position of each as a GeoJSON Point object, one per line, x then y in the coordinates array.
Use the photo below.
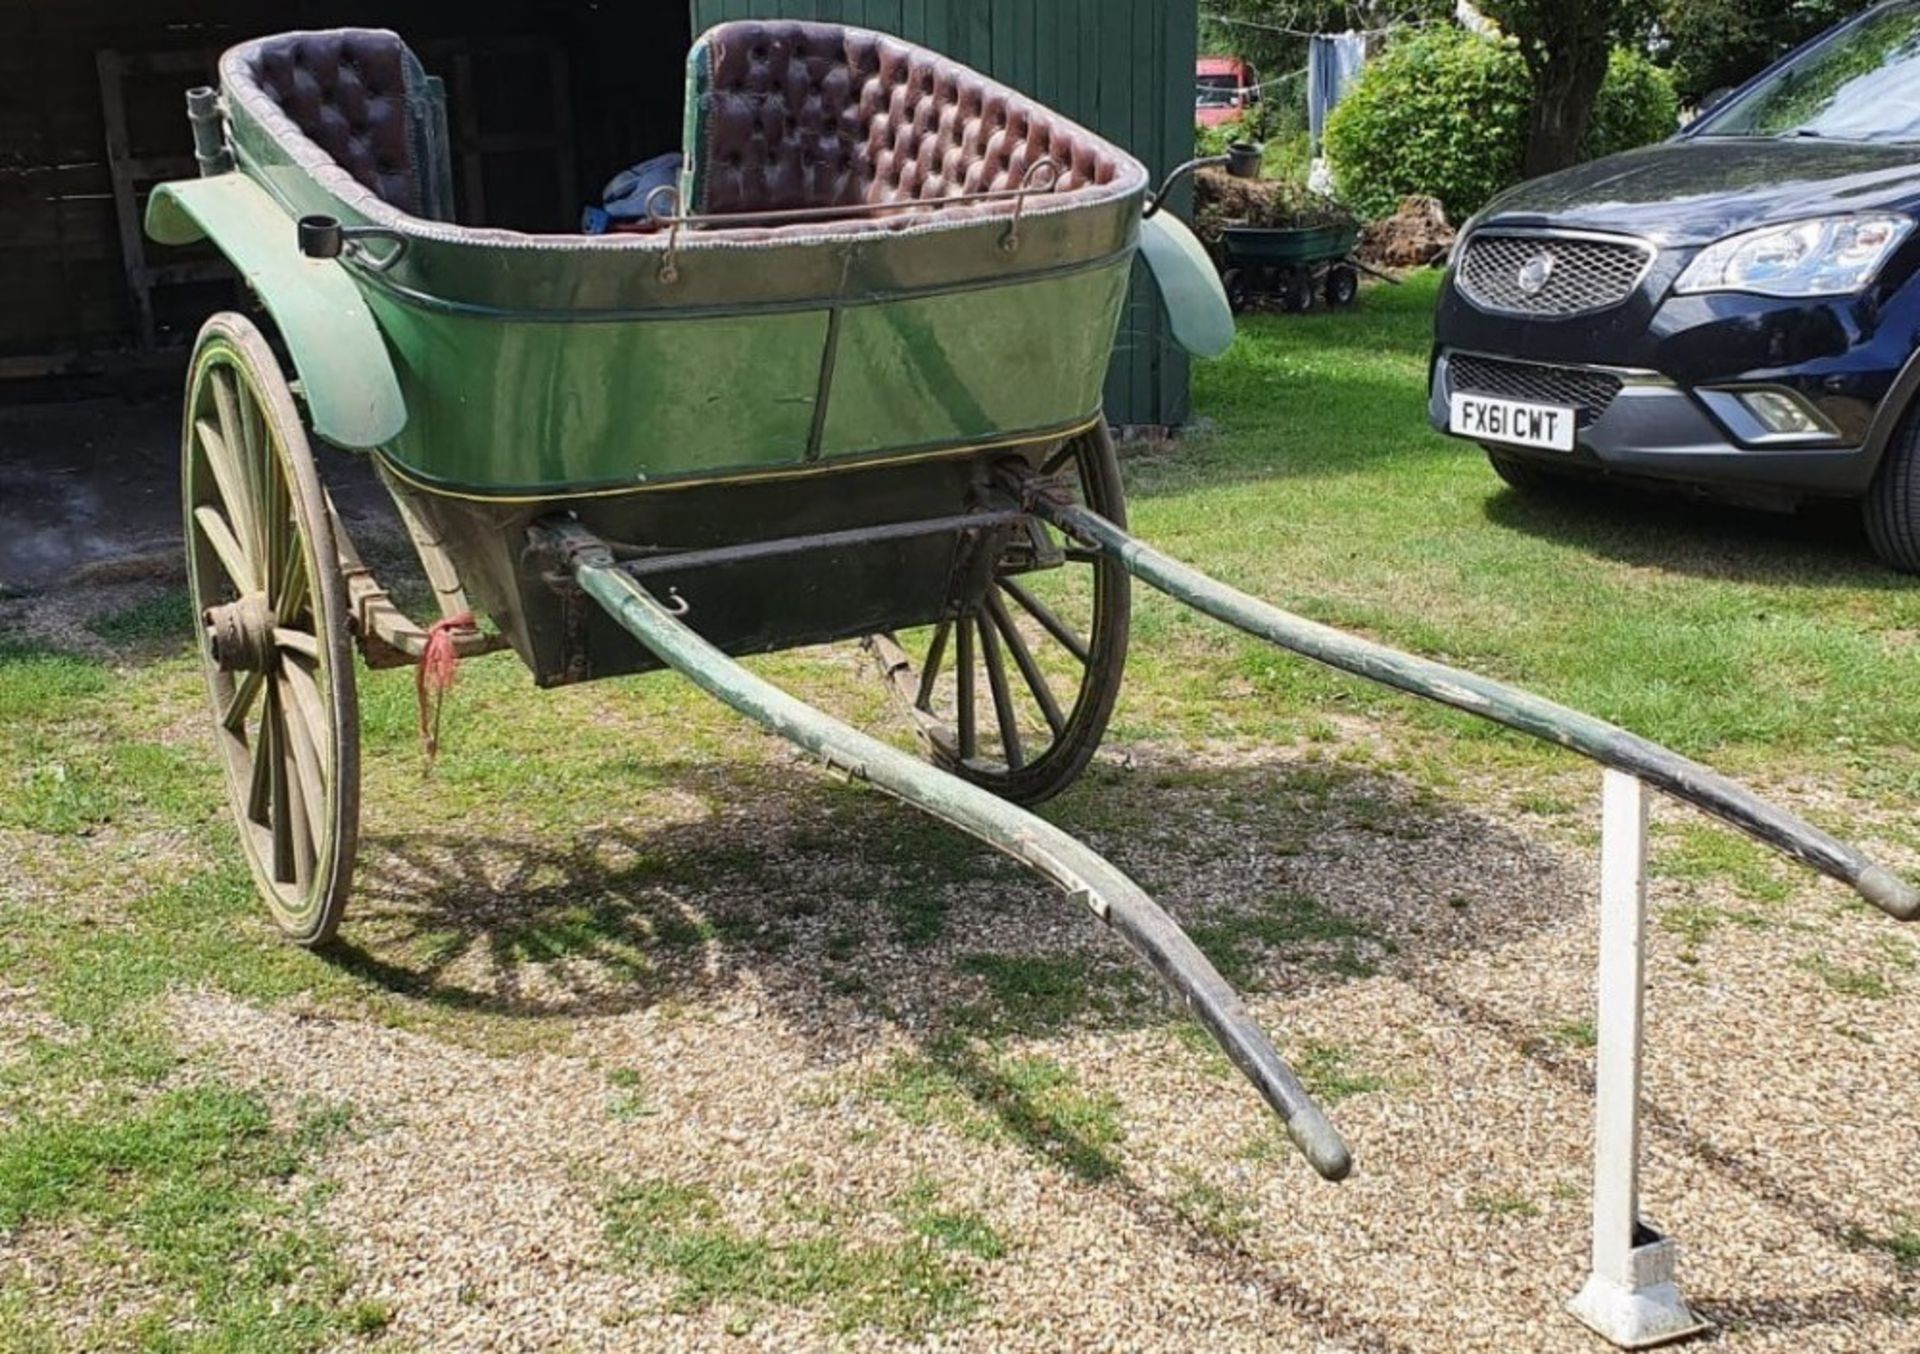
{"type": "Point", "coordinates": [593, 873]}
{"type": "Point", "coordinates": [1763, 643]}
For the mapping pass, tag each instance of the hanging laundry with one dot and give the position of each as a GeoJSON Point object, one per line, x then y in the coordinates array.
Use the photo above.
{"type": "Point", "coordinates": [1333, 64]}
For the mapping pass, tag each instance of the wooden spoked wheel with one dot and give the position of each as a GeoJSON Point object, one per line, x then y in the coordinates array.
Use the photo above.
{"type": "Point", "coordinates": [1015, 694]}
{"type": "Point", "coordinates": [271, 600]}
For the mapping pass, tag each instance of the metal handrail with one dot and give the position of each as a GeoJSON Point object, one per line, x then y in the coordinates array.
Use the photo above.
{"type": "Point", "coordinates": [793, 215]}
{"type": "Point", "coordinates": [1031, 182]}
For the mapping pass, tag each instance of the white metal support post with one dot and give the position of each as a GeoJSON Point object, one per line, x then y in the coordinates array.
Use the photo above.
{"type": "Point", "coordinates": [1630, 1298]}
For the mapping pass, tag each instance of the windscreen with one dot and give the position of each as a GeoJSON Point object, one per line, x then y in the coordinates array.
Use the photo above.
{"type": "Point", "coordinates": [1216, 91]}
{"type": "Point", "coordinates": [1862, 84]}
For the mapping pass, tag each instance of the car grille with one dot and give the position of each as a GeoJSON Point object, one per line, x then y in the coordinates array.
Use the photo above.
{"type": "Point", "coordinates": [1581, 275]}
{"type": "Point", "coordinates": [1581, 388]}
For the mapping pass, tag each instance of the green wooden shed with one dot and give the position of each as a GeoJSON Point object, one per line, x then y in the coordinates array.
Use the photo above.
{"type": "Point", "coordinates": [1122, 67]}
{"type": "Point", "coordinates": [96, 119]}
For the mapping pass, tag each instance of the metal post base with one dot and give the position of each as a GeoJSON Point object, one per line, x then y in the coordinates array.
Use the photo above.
{"type": "Point", "coordinates": [1646, 1311]}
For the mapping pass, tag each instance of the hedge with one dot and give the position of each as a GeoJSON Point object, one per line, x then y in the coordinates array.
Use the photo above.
{"type": "Point", "coordinates": [1444, 114]}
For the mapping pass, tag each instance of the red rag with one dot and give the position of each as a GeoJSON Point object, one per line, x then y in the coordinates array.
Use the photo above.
{"type": "Point", "coordinates": [433, 679]}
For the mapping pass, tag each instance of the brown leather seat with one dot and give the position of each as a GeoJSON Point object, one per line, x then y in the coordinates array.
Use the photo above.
{"type": "Point", "coordinates": [806, 115]}
{"type": "Point", "coordinates": [356, 93]}
{"type": "Point", "coordinates": [785, 115]}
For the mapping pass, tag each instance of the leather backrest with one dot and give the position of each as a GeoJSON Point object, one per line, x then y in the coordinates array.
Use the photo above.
{"type": "Point", "coordinates": [348, 91]}
{"type": "Point", "coordinates": [786, 115]}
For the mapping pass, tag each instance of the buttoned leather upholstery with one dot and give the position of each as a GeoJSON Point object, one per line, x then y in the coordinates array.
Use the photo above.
{"type": "Point", "coordinates": [347, 90]}
{"type": "Point", "coordinates": [794, 115]}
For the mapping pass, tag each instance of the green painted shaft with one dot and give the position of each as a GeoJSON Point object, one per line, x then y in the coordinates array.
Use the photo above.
{"type": "Point", "coordinates": [1032, 841]}
{"type": "Point", "coordinates": [1603, 742]}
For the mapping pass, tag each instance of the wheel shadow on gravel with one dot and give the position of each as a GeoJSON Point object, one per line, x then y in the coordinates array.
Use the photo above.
{"type": "Point", "coordinates": [852, 919]}
{"type": "Point", "coordinates": [604, 923]}
{"type": "Point", "coordinates": [833, 899]}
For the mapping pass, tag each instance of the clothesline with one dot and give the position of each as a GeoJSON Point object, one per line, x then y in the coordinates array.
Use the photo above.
{"type": "Point", "coordinates": [1276, 80]}
{"type": "Point", "coordinates": [1305, 33]}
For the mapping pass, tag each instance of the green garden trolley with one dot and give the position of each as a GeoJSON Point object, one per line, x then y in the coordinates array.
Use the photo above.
{"type": "Point", "coordinates": [844, 386]}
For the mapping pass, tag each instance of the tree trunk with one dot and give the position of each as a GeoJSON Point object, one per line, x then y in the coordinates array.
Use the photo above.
{"type": "Point", "coordinates": [1566, 80]}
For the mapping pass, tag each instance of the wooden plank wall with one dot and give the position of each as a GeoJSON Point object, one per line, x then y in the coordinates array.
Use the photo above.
{"type": "Point", "coordinates": [1122, 67]}
{"type": "Point", "coordinates": [63, 289]}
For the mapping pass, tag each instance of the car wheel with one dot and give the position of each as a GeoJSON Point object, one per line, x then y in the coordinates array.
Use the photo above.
{"type": "Point", "coordinates": [1296, 291]}
{"type": "Point", "coordinates": [1525, 475]}
{"type": "Point", "coordinates": [1239, 293]}
{"type": "Point", "coordinates": [1891, 509]}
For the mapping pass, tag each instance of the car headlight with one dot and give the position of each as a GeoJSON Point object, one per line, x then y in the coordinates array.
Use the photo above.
{"type": "Point", "coordinates": [1826, 256]}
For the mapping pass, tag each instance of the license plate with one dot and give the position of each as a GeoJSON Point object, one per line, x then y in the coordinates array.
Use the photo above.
{"type": "Point", "coordinates": [1485, 419]}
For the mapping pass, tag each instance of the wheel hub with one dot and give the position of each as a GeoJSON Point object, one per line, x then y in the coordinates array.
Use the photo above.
{"type": "Point", "coordinates": [240, 634]}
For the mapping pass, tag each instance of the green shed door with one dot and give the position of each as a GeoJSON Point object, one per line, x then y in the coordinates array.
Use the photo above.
{"type": "Point", "coordinates": [1121, 67]}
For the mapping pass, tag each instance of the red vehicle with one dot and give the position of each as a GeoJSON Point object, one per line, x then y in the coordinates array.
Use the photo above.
{"type": "Point", "coordinates": [1224, 88]}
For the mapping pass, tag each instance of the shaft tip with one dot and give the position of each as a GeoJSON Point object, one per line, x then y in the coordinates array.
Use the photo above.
{"type": "Point", "coordinates": [1890, 893]}
{"type": "Point", "coordinates": [1321, 1144]}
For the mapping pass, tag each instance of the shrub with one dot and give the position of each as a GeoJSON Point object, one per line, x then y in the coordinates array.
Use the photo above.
{"type": "Point", "coordinates": [1445, 114]}
{"type": "Point", "coordinates": [1637, 105]}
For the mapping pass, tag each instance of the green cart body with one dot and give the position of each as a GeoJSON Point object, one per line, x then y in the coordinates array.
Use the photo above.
{"type": "Point", "coordinates": [845, 385]}
{"type": "Point", "coordinates": [921, 267]}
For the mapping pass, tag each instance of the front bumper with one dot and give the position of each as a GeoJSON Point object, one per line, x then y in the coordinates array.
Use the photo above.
{"type": "Point", "coordinates": [1850, 360]}
{"type": "Point", "coordinates": [1655, 428]}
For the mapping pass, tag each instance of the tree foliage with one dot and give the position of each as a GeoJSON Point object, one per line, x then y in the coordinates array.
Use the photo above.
{"type": "Point", "coordinates": [1714, 44]}
{"type": "Point", "coordinates": [1271, 33]}
{"type": "Point", "coordinates": [1565, 45]}
{"type": "Point", "coordinates": [1636, 105]}
{"type": "Point", "coordinates": [1447, 114]}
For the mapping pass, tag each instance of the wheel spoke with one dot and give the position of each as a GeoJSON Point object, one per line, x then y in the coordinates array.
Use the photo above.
{"type": "Point", "coordinates": [309, 783]}
{"type": "Point", "coordinates": [252, 436]}
{"type": "Point", "coordinates": [311, 709]}
{"type": "Point", "coordinates": [232, 558]}
{"type": "Point", "coordinates": [1049, 622]}
{"type": "Point", "coordinates": [301, 850]}
{"type": "Point", "coordinates": [287, 591]}
{"type": "Point", "coordinates": [1003, 710]}
{"type": "Point", "coordinates": [1029, 670]}
{"type": "Point", "coordinates": [231, 478]}
{"type": "Point", "coordinates": [931, 671]}
{"type": "Point", "coordinates": [283, 544]}
{"type": "Point", "coordinates": [277, 758]}
{"type": "Point", "coordinates": [260, 782]}
{"type": "Point", "coordinates": [234, 719]}
{"type": "Point", "coordinates": [963, 660]}
{"type": "Point", "coordinates": [233, 435]}
{"type": "Point", "coordinates": [297, 641]}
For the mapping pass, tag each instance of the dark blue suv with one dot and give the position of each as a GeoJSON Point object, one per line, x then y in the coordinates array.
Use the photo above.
{"type": "Point", "coordinates": [1737, 309]}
